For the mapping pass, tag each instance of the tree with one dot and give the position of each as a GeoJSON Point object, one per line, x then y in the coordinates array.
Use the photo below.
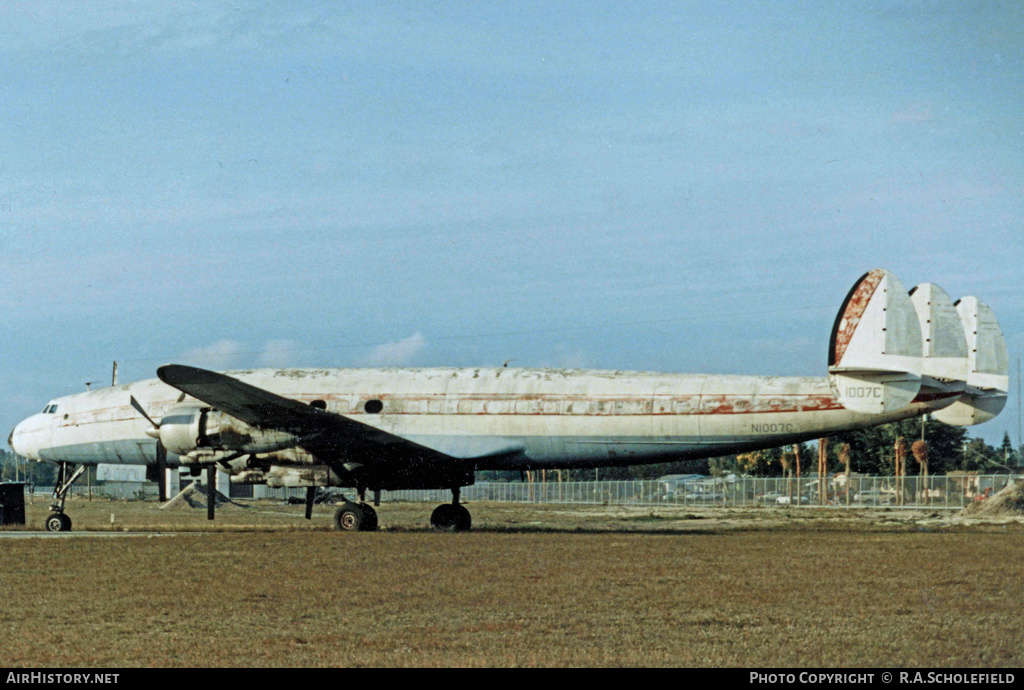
{"type": "Point", "coordinates": [1010, 456]}
{"type": "Point", "coordinates": [978, 456]}
{"type": "Point", "coordinates": [8, 466]}
{"type": "Point", "coordinates": [872, 451]}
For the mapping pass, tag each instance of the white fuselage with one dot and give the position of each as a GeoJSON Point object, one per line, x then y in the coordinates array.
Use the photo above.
{"type": "Point", "coordinates": [504, 418]}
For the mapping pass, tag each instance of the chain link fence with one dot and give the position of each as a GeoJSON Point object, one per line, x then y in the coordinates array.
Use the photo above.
{"type": "Point", "coordinates": [946, 492]}
{"type": "Point", "coordinates": [943, 492]}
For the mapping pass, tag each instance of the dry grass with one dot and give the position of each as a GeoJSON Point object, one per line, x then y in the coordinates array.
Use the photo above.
{"type": "Point", "coordinates": [530, 586]}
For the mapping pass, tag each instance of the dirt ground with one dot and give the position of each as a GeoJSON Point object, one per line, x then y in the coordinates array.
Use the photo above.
{"type": "Point", "coordinates": [531, 585]}
{"type": "Point", "coordinates": [1002, 511]}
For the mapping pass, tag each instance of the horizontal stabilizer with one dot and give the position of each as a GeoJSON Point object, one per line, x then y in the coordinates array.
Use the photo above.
{"type": "Point", "coordinates": [875, 352]}
{"type": "Point", "coordinates": [987, 375]}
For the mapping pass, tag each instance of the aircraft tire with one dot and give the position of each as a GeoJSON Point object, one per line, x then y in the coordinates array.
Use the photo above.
{"type": "Point", "coordinates": [369, 518]}
{"type": "Point", "coordinates": [349, 517]}
{"type": "Point", "coordinates": [58, 522]}
{"type": "Point", "coordinates": [463, 520]}
{"type": "Point", "coordinates": [451, 517]}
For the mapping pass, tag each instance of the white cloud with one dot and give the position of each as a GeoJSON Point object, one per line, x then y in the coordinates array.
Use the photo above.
{"type": "Point", "coordinates": [397, 353]}
{"type": "Point", "coordinates": [223, 354]}
{"type": "Point", "coordinates": [280, 353]}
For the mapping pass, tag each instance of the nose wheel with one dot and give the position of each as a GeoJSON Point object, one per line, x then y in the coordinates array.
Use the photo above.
{"type": "Point", "coordinates": [58, 522]}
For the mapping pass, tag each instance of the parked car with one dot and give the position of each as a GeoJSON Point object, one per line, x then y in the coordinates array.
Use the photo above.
{"type": "Point", "coordinates": [702, 497]}
{"type": "Point", "coordinates": [768, 498]}
{"type": "Point", "coordinates": [873, 497]}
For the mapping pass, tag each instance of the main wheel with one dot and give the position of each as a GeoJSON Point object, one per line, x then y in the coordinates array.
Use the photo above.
{"type": "Point", "coordinates": [463, 521]}
{"type": "Point", "coordinates": [451, 517]}
{"type": "Point", "coordinates": [369, 518]}
{"type": "Point", "coordinates": [349, 518]}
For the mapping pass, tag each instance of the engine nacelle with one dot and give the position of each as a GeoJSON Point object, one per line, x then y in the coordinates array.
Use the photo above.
{"type": "Point", "coordinates": [191, 432]}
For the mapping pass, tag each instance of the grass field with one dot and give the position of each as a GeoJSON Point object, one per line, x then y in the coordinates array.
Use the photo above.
{"type": "Point", "coordinates": [530, 586]}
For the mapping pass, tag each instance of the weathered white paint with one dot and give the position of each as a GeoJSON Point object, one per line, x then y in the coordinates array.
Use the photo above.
{"type": "Point", "coordinates": [552, 418]}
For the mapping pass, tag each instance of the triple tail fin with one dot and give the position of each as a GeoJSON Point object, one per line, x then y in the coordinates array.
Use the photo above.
{"type": "Point", "coordinates": [889, 349]}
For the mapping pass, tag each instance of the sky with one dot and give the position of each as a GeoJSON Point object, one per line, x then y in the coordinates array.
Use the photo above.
{"type": "Point", "coordinates": [686, 187]}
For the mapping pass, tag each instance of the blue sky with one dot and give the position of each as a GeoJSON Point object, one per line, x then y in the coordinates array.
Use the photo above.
{"type": "Point", "coordinates": [660, 186]}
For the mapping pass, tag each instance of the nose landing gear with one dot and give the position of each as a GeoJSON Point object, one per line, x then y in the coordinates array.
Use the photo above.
{"type": "Point", "coordinates": [66, 476]}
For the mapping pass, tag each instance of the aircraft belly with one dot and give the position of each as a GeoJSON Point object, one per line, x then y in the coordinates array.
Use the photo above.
{"type": "Point", "coordinates": [80, 449]}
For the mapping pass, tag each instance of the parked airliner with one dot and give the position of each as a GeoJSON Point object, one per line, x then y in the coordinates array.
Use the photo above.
{"type": "Point", "coordinates": [892, 355]}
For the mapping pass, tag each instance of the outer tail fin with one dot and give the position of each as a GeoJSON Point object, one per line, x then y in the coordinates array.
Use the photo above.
{"type": "Point", "coordinates": [986, 364]}
{"type": "Point", "coordinates": [875, 355]}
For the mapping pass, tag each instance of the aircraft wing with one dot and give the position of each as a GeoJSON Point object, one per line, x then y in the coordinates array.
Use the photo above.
{"type": "Point", "coordinates": [326, 433]}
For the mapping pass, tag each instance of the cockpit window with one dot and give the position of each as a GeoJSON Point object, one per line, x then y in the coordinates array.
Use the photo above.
{"type": "Point", "coordinates": [50, 409]}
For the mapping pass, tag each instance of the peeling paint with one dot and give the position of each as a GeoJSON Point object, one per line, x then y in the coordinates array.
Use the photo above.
{"type": "Point", "coordinates": [849, 319]}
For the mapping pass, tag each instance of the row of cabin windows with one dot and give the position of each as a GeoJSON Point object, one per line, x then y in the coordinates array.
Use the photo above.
{"type": "Point", "coordinates": [581, 407]}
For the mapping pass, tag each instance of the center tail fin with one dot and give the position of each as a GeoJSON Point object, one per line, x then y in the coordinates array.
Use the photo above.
{"type": "Point", "coordinates": [942, 335]}
{"type": "Point", "coordinates": [875, 353]}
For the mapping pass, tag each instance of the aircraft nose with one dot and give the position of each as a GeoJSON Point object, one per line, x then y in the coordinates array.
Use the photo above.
{"type": "Point", "coordinates": [10, 439]}
{"type": "Point", "coordinates": [17, 440]}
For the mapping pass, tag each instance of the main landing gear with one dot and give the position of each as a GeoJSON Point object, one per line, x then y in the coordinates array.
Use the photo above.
{"type": "Point", "coordinates": [451, 517]}
{"type": "Point", "coordinates": [361, 517]}
{"type": "Point", "coordinates": [357, 517]}
{"type": "Point", "coordinates": [58, 521]}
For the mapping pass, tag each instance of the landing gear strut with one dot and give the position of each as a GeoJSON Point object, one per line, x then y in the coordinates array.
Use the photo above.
{"type": "Point", "coordinates": [451, 517]}
{"type": "Point", "coordinates": [66, 476]}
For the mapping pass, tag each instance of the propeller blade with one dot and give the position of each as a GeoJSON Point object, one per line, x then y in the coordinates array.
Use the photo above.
{"type": "Point", "coordinates": [161, 452]}
{"type": "Point", "coordinates": [161, 468]}
{"type": "Point", "coordinates": [211, 490]}
{"type": "Point", "coordinates": [138, 407]}
{"type": "Point", "coordinates": [310, 496]}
